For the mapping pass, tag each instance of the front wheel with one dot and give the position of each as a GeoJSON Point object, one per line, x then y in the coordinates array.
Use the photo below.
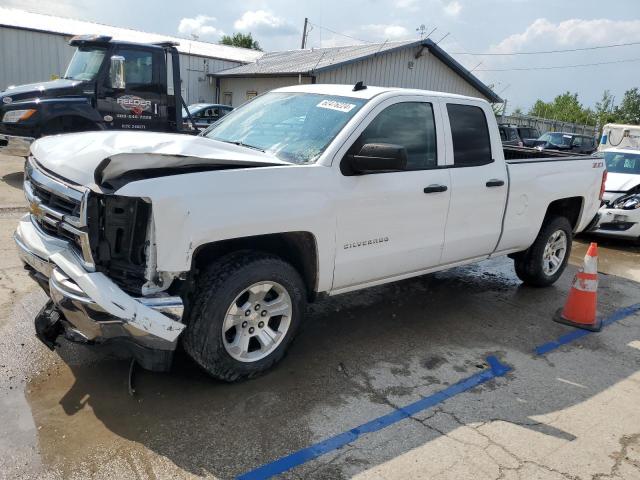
{"type": "Point", "coordinates": [544, 261]}
{"type": "Point", "coordinates": [247, 309]}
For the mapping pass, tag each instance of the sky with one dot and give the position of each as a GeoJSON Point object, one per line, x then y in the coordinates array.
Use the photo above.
{"type": "Point", "coordinates": [466, 29]}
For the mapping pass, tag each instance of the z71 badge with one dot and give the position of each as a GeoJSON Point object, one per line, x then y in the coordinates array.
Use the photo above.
{"type": "Point", "coordinates": [134, 104]}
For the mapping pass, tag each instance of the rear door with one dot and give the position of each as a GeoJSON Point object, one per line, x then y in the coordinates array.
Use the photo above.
{"type": "Point", "coordinates": [392, 223]}
{"type": "Point", "coordinates": [478, 183]}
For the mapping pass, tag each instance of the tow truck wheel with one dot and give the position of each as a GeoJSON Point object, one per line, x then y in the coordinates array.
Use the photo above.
{"type": "Point", "coordinates": [246, 311]}
{"type": "Point", "coordinates": [543, 263]}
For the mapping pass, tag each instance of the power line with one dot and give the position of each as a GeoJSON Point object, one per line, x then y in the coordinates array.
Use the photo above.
{"type": "Point", "coordinates": [341, 34]}
{"type": "Point", "coordinates": [552, 51]}
{"type": "Point", "coordinates": [556, 67]}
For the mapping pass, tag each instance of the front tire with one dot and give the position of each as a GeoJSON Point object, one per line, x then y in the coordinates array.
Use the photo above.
{"type": "Point", "coordinates": [544, 261]}
{"type": "Point", "coordinates": [247, 309]}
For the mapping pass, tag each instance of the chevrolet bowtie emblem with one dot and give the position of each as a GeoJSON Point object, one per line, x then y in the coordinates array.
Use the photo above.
{"type": "Point", "coordinates": [35, 209]}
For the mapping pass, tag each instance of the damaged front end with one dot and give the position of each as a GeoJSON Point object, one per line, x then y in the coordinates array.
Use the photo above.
{"type": "Point", "coordinates": [94, 254]}
{"type": "Point", "coordinates": [620, 216]}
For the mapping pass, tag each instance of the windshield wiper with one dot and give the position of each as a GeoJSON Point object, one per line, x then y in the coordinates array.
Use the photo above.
{"type": "Point", "coordinates": [240, 144]}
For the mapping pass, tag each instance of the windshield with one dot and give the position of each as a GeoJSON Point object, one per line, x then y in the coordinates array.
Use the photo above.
{"type": "Point", "coordinates": [295, 127]}
{"type": "Point", "coordinates": [556, 138]}
{"type": "Point", "coordinates": [85, 64]}
{"type": "Point", "coordinates": [622, 162]}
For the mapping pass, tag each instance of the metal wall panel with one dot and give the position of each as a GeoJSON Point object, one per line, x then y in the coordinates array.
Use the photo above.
{"type": "Point", "coordinates": [239, 90]}
{"type": "Point", "coordinates": [393, 70]}
{"type": "Point", "coordinates": [197, 87]}
{"type": "Point", "coordinates": [28, 57]}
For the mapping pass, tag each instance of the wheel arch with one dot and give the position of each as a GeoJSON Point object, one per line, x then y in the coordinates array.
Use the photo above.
{"type": "Point", "coordinates": [570, 207]}
{"type": "Point", "coordinates": [300, 249]}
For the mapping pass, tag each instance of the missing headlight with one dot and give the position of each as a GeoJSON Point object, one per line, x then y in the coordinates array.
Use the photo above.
{"type": "Point", "coordinates": [119, 235]}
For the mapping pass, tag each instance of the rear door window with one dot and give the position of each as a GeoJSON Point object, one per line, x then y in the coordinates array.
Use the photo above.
{"type": "Point", "coordinates": [470, 135]}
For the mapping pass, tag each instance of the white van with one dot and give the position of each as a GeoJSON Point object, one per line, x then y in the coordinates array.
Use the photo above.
{"type": "Point", "coordinates": [617, 135]}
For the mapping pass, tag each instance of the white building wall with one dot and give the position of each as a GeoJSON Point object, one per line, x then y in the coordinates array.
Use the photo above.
{"type": "Point", "coordinates": [28, 56]}
{"type": "Point", "coordinates": [197, 87]}
{"type": "Point", "coordinates": [393, 70]}
{"type": "Point", "coordinates": [242, 89]}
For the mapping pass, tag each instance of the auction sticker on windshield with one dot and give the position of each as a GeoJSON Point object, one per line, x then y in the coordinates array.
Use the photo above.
{"type": "Point", "coordinates": [339, 106]}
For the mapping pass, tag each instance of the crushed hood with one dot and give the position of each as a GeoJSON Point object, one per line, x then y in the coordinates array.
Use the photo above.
{"type": "Point", "coordinates": [621, 182]}
{"type": "Point", "coordinates": [95, 158]}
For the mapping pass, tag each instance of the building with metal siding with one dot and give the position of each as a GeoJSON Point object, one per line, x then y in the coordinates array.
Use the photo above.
{"type": "Point", "coordinates": [410, 64]}
{"type": "Point", "coordinates": [34, 48]}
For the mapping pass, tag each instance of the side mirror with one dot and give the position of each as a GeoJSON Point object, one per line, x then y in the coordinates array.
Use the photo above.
{"type": "Point", "coordinates": [375, 157]}
{"type": "Point", "coordinates": [116, 73]}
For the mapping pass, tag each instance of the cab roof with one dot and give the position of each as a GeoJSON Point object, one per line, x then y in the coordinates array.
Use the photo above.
{"type": "Point", "coordinates": [369, 92]}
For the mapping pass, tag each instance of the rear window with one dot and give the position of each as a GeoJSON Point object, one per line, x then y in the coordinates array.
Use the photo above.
{"type": "Point", "coordinates": [470, 134]}
{"type": "Point", "coordinates": [528, 133]}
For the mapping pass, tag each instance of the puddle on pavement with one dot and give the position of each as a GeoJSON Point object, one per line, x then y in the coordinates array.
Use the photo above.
{"type": "Point", "coordinates": [82, 411]}
{"type": "Point", "coordinates": [615, 256]}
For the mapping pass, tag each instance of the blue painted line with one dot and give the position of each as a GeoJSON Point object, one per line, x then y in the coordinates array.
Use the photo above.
{"type": "Point", "coordinates": [577, 333]}
{"type": "Point", "coordinates": [497, 369]}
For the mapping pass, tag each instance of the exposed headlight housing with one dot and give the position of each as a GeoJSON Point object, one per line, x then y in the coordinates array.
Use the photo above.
{"type": "Point", "coordinates": [15, 116]}
{"type": "Point", "coordinates": [629, 202]}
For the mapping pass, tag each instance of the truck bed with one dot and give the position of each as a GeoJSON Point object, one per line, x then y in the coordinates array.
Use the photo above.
{"type": "Point", "coordinates": [514, 154]}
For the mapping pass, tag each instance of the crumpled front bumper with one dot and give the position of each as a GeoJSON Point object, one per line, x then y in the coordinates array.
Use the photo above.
{"type": "Point", "coordinates": [616, 222]}
{"type": "Point", "coordinates": [17, 146]}
{"type": "Point", "coordinates": [93, 309]}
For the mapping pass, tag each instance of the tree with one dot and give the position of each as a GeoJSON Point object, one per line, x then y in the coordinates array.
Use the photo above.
{"type": "Point", "coordinates": [604, 109]}
{"type": "Point", "coordinates": [629, 109]}
{"type": "Point", "coordinates": [566, 108]}
{"type": "Point", "coordinates": [517, 111]}
{"type": "Point", "coordinates": [240, 40]}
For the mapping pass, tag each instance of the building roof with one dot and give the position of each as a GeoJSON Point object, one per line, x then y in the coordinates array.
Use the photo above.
{"type": "Point", "coordinates": [310, 62]}
{"type": "Point", "coordinates": [14, 18]}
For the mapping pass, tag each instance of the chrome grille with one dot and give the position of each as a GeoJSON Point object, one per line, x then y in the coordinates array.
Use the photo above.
{"type": "Point", "coordinates": [58, 210]}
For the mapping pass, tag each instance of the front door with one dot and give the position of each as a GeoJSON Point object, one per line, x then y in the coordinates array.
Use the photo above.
{"type": "Point", "coordinates": [391, 224]}
{"type": "Point", "coordinates": [141, 105]}
{"type": "Point", "coordinates": [478, 184]}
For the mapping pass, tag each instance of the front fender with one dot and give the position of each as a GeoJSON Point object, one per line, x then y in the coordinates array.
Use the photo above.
{"type": "Point", "coordinates": [53, 108]}
{"type": "Point", "coordinates": [195, 209]}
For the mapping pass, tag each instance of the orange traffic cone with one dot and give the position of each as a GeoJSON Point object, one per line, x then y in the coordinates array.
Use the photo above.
{"type": "Point", "coordinates": [580, 309]}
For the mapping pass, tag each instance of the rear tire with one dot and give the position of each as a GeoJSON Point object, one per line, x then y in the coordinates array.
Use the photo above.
{"type": "Point", "coordinates": [247, 309]}
{"type": "Point", "coordinates": [544, 261]}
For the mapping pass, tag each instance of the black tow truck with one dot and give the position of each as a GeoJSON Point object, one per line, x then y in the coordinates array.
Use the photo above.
{"type": "Point", "coordinates": [108, 84]}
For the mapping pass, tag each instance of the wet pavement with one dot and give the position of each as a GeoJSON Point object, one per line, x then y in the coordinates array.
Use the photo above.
{"type": "Point", "coordinates": [571, 413]}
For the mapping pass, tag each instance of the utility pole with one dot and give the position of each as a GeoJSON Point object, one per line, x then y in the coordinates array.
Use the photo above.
{"type": "Point", "coordinates": [304, 33]}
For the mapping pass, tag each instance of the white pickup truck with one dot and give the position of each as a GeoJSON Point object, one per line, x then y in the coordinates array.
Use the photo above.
{"type": "Point", "coordinates": [141, 239]}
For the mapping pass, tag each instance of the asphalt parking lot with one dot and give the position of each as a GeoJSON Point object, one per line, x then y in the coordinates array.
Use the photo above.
{"type": "Point", "coordinates": [455, 375]}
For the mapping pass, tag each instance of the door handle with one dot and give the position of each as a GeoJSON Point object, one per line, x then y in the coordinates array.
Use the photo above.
{"type": "Point", "coordinates": [435, 188]}
{"type": "Point", "coordinates": [494, 182]}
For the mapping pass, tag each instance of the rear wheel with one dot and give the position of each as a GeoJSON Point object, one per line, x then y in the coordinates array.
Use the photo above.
{"type": "Point", "coordinates": [248, 307]}
{"type": "Point", "coordinates": [544, 261]}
